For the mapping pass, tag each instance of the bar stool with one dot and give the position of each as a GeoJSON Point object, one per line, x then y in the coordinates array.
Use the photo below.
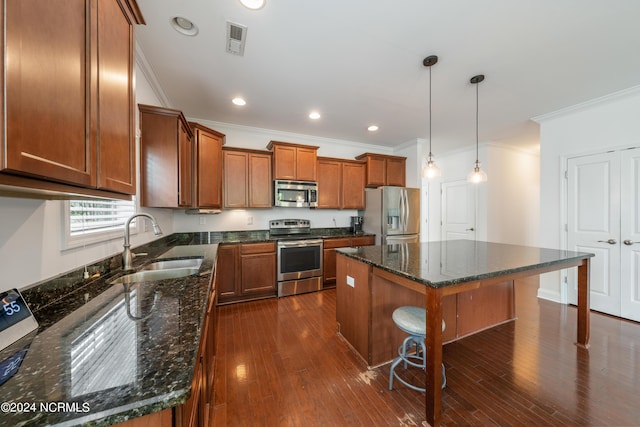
{"type": "Point", "coordinates": [412, 320]}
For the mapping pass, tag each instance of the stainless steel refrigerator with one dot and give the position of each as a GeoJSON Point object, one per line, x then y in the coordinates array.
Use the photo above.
{"type": "Point", "coordinates": [393, 214]}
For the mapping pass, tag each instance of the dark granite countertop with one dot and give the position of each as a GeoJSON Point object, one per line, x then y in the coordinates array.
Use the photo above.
{"type": "Point", "coordinates": [110, 352]}
{"type": "Point", "coordinates": [445, 263]}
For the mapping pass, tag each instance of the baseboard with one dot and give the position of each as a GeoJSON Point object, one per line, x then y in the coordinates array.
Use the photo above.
{"type": "Point", "coordinates": [549, 295]}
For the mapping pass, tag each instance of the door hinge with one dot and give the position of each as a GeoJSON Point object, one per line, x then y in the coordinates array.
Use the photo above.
{"type": "Point", "coordinates": [566, 174]}
{"type": "Point", "coordinates": [566, 227]}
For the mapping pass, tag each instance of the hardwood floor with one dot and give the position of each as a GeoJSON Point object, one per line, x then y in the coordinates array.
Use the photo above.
{"type": "Point", "coordinates": [280, 362]}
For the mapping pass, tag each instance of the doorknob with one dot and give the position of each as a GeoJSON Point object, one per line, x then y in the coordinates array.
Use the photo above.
{"type": "Point", "coordinates": [628, 242]}
{"type": "Point", "coordinates": [470, 229]}
{"type": "Point", "coordinates": [611, 241]}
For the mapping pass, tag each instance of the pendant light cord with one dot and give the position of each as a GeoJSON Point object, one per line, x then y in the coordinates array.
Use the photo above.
{"type": "Point", "coordinates": [429, 113]}
{"type": "Point", "coordinates": [477, 108]}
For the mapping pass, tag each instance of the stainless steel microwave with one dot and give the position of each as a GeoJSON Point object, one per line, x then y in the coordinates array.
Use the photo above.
{"type": "Point", "coordinates": [295, 194]}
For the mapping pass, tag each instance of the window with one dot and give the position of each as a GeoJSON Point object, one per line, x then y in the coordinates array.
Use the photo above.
{"type": "Point", "coordinates": [94, 221]}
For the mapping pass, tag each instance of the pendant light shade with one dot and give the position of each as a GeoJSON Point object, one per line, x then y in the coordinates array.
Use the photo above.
{"type": "Point", "coordinates": [431, 169]}
{"type": "Point", "coordinates": [477, 175]}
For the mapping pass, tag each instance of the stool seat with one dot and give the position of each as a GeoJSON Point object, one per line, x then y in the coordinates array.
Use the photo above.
{"type": "Point", "coordinates": [412, 320]}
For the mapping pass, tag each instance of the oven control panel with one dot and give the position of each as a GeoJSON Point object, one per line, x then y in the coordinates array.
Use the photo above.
{"type": "Point", "coordinates": [289, 226]}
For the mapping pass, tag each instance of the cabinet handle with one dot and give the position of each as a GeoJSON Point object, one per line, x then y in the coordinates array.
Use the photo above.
{"type": "Point", "coordinates": [629, 242]}
{"type": "Point", "coordinates": [610, 241]}
{"type": "Point", "coordinates": [470, 229]}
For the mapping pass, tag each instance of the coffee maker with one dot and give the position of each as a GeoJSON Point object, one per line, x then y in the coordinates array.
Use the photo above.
{"type": "Point", "coordinates": [356, 224]}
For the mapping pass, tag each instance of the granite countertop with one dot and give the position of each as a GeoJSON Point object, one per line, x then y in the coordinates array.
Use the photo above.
{"type": "Point", "coordinates": [446, 263]}
{"type": "Point", "coordinates": [105, 353]}
{"type": "Point", "coordinates": [110, 352]}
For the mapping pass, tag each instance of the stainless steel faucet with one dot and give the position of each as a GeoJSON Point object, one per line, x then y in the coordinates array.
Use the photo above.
{"type": "Point", "coordinates": [127, 256]}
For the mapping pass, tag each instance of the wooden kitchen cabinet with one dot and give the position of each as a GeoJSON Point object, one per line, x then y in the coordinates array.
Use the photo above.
{"type": "Point", "coordinates": [258, 269]}
{"type": "Point", "coordinates": [166, 158]}
{"type": "Point", "coordinates": [69, 124]}
{"type": "Point", "coordinates": [228, 272]}
{"type": "Point", "coordinates": [246, 271]}
{"type": "Point", "coordinates": [195, 411]}
{"type": "Point", "coordinates": [207, 167]}
{"type": "Point", "coordinates": [341, 183]}
{"type": "Point", "coordinates": [329, 255]}
{"type": "Point", "coordinates": [384, 170]}
{"type": "Point", "coordinates": [293, 161]}
{"type": "Point", "coordinates": [247, 178]}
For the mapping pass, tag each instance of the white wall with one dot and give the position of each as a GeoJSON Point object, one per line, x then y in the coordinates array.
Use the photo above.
{"type": "Point", "coordinates": [603, 124]}
{"type": "Point", "coordinates": [507, 204]}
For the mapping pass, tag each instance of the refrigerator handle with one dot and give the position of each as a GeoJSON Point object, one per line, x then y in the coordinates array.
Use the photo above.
{"type": "Point", "coordinates": [405, 201]}
{"type": "Point", "coordinates": [402, 208]}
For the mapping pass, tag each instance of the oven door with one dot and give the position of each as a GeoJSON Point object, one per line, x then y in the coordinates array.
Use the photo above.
{"type": "Point", "coordinates": [299, 259]}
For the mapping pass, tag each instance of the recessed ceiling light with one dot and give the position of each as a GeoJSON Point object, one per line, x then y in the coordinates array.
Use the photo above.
{"type": "Point", "coordinates": [239, 101]}
{"type": "Point", "coordinates": [372, 128]}
{"type": "Point", "coordinates": [184, 26]}
{"type": "Point", "coordinates": [253, 4]}
{"type": "Point", "coordinates": [314, 115]}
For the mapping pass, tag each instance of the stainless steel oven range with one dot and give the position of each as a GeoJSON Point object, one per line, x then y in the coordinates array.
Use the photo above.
{"type": "Point", "coordinates": [299, 257]}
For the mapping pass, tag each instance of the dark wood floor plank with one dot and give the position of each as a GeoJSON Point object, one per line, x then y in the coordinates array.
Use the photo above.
{"type": "Point", "coordinates": [280, 362]}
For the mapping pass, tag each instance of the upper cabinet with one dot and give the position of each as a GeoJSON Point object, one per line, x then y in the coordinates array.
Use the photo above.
{"type": "Point", "coordinates": [384, 170]}
{"type": "Point", "coordinates": [247, 178]}
{"type": "Point", "coordinates": [293, 161]}
{"type": "Point", "coordinates": [166, 158]}
{"type": "Point", "coordinates": [207, 167]}
{"type": "Point", "coordinates": [341, 183]}
{"type": "Point", "coordinates": [69, 96]}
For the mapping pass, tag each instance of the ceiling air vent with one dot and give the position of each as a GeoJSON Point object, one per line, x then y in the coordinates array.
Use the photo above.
{"type": "Point", "coordinates": [236, 37]}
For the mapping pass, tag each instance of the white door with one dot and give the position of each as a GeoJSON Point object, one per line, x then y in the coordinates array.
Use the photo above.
{"type": "Point", "coordinates": [594, 226]}
{"type": "Point", "coordinates": [630, 234]}
{"type": "Point", "coordinates": [458, 210]}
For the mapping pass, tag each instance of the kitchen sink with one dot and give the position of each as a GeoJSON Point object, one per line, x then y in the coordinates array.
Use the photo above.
{"type": "Point", "coordinates": [174, 263]}
{"type": "Point", "coordinates": [155, 275]}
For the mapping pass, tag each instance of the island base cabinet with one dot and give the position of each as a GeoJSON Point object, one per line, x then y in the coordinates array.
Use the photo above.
{"type": "Point", "coordinates": [366, 298]}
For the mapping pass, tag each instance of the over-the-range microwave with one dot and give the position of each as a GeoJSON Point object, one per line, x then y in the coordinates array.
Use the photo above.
{"type": "Point", "coordinates": [295, 194]}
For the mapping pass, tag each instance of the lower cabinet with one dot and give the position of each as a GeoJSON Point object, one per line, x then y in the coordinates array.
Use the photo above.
{"type": "Point", "coordinates": [329, 256]}
{"type": "Point", "coordinates": [246, 271]}
{"type": "Point", "coordinates": [195, 411]}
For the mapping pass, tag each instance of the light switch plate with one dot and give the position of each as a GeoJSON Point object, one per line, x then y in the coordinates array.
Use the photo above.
{"type": "Point", "coordinates": [351, 281]}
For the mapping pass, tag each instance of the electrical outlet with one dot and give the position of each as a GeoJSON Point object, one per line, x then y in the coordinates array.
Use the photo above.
{"type": "Point", "coordinates": [351, 281]}
{"type": "Point", "coordinates": [249, 220]}
{"type": "Point", "coordinates": [203, 220]}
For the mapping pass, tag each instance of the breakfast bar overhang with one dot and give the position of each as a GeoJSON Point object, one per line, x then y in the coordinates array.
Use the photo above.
{"type": "Point", "coordinates": [369, 278]}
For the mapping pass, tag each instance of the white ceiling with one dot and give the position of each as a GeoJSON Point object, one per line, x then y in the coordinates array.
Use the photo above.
{"type": "Point", "coordinates": [359, 62]}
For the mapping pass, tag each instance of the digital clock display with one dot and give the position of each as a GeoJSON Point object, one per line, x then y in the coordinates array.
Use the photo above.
{"type": "Point", "coordinates": [16, 320]}
{"type": "Point", "coordinates": [13, 309]}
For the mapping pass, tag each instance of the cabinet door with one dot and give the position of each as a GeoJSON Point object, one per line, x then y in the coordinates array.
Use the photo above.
{"type": "Point", "coordinates": [258, 272]}
{"type": "Point", "coordinates": [185, 166]}
{"type": "Point", "coordinates": [284, 162]}
{"type": "Point", "coordinates": [260, 181]}
{"type": "Point", "coordinates": [376, 172]}
{"type": "Point", "coordinates": [306, 164]}
{"type": "Point", "coordinates": [353, 182]}
{"type": "Point", "coordinates": [363, 241]}
{"type": "Point", "coordinates": [227, 272]}
{"type": "Point", "coordinates": [329, 183]}
{"type": "Point", "coordinates": [236, 172]}
{"type": "Point", "coordinates": [395, 172]}
{"type": "Point", "coordinates": [47, 88]}
{"type": "Point", "coordinates": [116, 150]}
{"type": "Point", "coordinates": [209, 165]}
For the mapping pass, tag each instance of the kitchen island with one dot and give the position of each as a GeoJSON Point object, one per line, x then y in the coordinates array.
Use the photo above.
{"type": "Point", "coordinates": [374, 280]}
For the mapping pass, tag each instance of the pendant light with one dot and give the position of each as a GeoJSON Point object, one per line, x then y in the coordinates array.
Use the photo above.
{"type": "Point", "coordinates": [477, 175]}
{"type": "Point", "coordinates": [431, 169]}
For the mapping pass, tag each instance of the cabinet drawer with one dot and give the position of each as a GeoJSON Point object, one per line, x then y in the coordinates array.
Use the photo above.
{"type": "Point", "coordinates": [336, 243]}
{"type": "Point", "coordinates": [363, 241]}
{"type": "Point", "coordinates": [257, 248]}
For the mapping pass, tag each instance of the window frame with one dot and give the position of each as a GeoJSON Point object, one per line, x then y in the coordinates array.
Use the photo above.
{"type": "Point", "coordinates": [73, 241]}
